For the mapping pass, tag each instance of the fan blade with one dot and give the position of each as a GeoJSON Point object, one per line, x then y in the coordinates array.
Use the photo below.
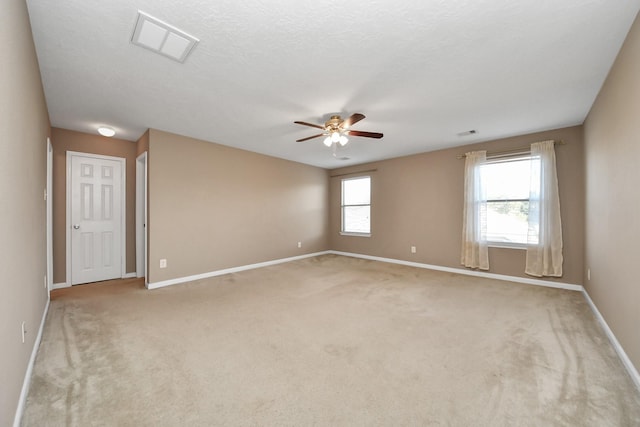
{"type": "Point", "coordinates": [310, 137]}
{"type": "Point", "coordinates": [365, 134]}
{"type": "Point", "coordinates": [355, 118]}
{"type": "Point", "coordinates": [309, 124]}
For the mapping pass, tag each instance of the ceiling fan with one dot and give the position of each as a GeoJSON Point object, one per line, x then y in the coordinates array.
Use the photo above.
{"type": "Point", "coordinates": [337, 129]}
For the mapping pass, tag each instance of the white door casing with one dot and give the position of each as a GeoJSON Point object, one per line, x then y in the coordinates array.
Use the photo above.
{"type": "Point", "coordinates": [49, 214]}
{"type": "Point", "coordinates": [95, 218]}
{"type": "Point", "coordinates": [141, 216]}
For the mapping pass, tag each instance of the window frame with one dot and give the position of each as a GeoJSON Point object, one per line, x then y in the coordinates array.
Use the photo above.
{"type": "Point", "coordinates": [503, 159]}
{"type": "Point", "coordinates": [343, 232]}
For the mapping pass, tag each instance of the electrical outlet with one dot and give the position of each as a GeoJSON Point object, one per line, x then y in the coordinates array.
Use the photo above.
{"type": "Point", "coordinates": [163, 263]}
{"type": "Point", "coordinates": [413, 249]}
{"type": "Point", "coordinates": [299, 244]}
{"type": "Point", "coordinates": [24, 330]}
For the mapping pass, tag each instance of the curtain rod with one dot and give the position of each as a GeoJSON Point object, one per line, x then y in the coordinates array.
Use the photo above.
{"type": "Point", "coordinates": [523, 150]}
{"type": "Point", "coordinates": [353, 173]}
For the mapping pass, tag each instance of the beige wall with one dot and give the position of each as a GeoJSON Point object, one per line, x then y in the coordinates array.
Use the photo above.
{"type": "Point", "coordinates": [67, 140]}
{"type": "Point", "coordinates": [612, 146]}
{"type": "Point", "coordinates": [213, 207]}
{"type": "Point", "coordinates": [142, 144]}
{"type": "Point", "coordinates": [417, 201]}
{"type": "Point", "coordinates": [24, 127]}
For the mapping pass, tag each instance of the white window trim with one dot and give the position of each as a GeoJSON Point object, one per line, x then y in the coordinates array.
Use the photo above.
{"type": "Point", "coordinates": [354, 234]}
{"type": "Point", "coordinates": [506, 245]}
{"type": "Point", "coordinates": [502, 159]}
{"type": "Point", "coordinates": [342, 205]}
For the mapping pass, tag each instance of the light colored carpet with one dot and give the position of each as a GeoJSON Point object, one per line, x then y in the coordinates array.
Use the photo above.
{"type": "Point", "coordinates": [327, 341]}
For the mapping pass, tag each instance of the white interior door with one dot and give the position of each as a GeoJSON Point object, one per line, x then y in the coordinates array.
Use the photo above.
{"type": "Point", "coordinates": [96, 220]}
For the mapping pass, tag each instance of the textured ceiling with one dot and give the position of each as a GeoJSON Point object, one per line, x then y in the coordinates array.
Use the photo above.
{"type": "Point", "coordinates": [421, 71]}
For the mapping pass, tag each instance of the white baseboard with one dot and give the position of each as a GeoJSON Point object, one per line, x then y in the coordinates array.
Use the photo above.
{"type": "Point", "coordinates": [170, 282]}
{"type": "Point", "coordinates": [66, 285]}
{"type": "Point", "coordinates": [27, 375]}
{"type": "Point", "coordinates": [525, 280]}
{"type": "Point", "coordinates": [537, 282]}
{"type": "Point", "coordinates": [633, 372]}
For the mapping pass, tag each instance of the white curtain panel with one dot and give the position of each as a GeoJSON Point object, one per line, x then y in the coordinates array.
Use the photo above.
{"type": "Point", "coordinates": [475, 252]}
{"type": "Point", "coordinates": [544, 242]}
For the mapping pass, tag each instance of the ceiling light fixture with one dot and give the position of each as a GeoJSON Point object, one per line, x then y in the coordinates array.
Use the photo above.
{"type": "Point", "coordinates": [335, 138]}
{"type": "Point", "coordinates": [106, 131]}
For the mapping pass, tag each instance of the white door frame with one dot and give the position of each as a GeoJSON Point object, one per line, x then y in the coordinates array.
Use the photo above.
{"type": "Point", "coordinates": [123, 213]}
{"type": "Point", "coordinates": [141, 216]}
{"type": "Point", "coordinates": [49, 215]}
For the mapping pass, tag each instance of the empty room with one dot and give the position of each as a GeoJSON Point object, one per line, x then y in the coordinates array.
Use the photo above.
{"type": "Point", "coordinates": [328, 213]}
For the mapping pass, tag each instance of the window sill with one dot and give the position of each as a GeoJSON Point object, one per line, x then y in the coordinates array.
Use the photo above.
{"type": "Point", "coordinates": [344, 233]}
{"type": "Point", "coordinates": [503, 245]}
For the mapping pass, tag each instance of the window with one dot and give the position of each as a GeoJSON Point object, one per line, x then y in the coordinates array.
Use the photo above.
{"type": "Point", "coordinates": [356, 205]}
{"type": "Point", "coordinates": [507, 184]}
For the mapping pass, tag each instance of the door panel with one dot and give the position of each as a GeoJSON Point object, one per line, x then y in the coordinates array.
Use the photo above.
{"type": "Point", "coordinates": [96, 219]}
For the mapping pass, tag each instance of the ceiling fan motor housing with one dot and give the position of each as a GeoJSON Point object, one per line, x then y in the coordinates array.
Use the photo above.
{"type": "Point", "coordinates": [333, 124]}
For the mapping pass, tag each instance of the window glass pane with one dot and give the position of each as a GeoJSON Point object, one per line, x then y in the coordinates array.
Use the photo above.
{"type": "Point", "coordinates": [507, 184]}
{"type": "Point", "coordinates": [507, 179]}
{"type": "Point", "coordinates": [356, 191]}
{"type": "Point", "coordinates": [356, 219]}
{"type": "Point", "coordinates": [507, 222]}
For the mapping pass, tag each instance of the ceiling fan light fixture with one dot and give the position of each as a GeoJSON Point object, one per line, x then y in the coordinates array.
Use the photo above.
{"type": "Point", "coordinates": [343, 140]}
{"type": "Point", "coordinates": [335, 136]}
{"type": "Point", "coordinates": [327, 141]}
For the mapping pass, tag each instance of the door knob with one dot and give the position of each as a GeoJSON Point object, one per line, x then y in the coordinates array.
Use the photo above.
{"type": "Point", "coordinates": [76, 226]}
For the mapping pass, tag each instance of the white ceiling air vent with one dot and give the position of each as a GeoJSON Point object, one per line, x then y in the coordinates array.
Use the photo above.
{"type": "Point", "coordinates": [162, 38]}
